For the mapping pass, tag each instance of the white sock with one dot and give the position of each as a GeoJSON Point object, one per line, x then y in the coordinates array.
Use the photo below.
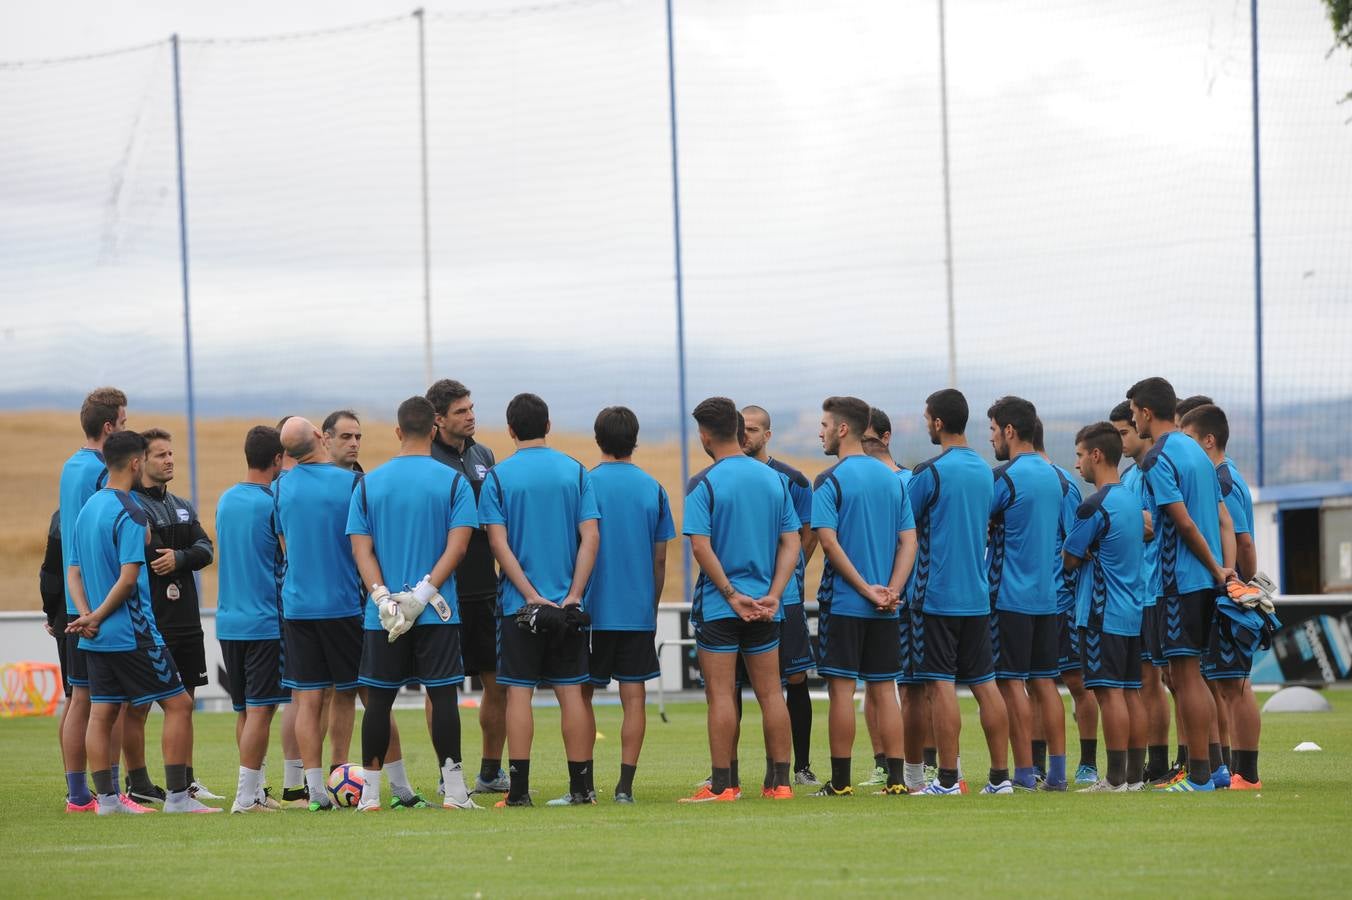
{"type": "Point", "coordinates": [293, 774]}
{"type": "Point", "coordinates": [914, 775]}
{"type": "Point", "coordinates": [314, 779]}
{"type": "Point", "coordinates": [262, 775]}
{"type": "Point", "coordinates": [453, 778]}
{"type": "Point", "coordinates": [370, 789]}
{"type": "Point", "coordinates": [398, 780]}
{"type": "Point", "coordinates": [243, 796]}
{"type": "Point", "coordinates": [959, 768]}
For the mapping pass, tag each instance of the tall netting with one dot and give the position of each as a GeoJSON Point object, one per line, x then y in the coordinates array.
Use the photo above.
{"type": "Point", "coordinates": [89, 279]}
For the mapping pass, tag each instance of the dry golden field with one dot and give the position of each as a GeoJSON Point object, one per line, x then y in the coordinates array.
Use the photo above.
{"type": "Point", "coordinates": [34, 445]}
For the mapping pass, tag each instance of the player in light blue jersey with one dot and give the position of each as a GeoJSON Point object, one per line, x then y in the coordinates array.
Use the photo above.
{"type": "Point", "coordinates": [1021, 568]}
{"type": "Point", "coordinates": [322, 600]}
{"type": "Point", "coordinates": [540, 512]}
{"type": "Point", "coordinates": [1192, 519]}
{"type": "Point", "coordinates": [867, 531]}
{"type": "Point", "coordinates": [249, 611]}
{"type": "Point", "coordinates": [409, 522]}
{"type": "Point", "coordinates": [1155, 702]}
{"type": "Point", "coordinates": [1227, 662]}
{"type": "Point", "coordinates": [127, 659]}
{"type": "Point", "coordinates": [626, 583]}
{"type": "Point", "coordinates": [743, 532]}
{"type": "Point", "coordinates": [1108, 540]}
{"type": "Point", "coordinates": [795, 642]}
{"type": "Point", "coordinates": [103, 413]}
{"type": "Point", "coordinates": [951, 640]}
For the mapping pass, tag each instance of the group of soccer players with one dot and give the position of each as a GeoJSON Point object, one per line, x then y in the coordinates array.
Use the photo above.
{"type": "Point", "coordinates": [337, 584]}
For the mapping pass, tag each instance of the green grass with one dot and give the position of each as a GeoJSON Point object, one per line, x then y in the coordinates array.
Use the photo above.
{"type": "Point", "coordinates": [1289, 839]}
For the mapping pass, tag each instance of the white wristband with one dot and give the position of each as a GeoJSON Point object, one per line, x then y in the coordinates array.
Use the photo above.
{"type": "Point", "coordinates": [424, 590]}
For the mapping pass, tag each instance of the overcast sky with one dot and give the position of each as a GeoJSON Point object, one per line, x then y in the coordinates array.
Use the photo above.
{"type": "Point", "coordinates": [1102, 197]}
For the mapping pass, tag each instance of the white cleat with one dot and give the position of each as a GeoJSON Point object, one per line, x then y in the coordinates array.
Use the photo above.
{"type": "Point", "coordinates": [373, 806]}
{"type": "Point", "coordinates": [257, 806]}
{"type": "Point", "coordinates": [201, 792]}
{"type": "Point", "coordinates": [186, 803]}
{"type": "Point", "coordinates": [467, 803]}
{"type": "Point", "coordinates": [1004, 787]}
{"type": "Point", "coordinates": [1103, 787]}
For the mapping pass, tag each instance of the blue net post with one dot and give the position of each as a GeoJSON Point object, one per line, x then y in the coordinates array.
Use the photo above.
{"type": "Point", "coordinates": [183, 269]}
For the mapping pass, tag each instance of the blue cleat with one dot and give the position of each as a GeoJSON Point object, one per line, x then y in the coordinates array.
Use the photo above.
{"type": "Point", "coordinates": [935, 789]}
{"type": "Point", "coordinates": [1086, 775]}
{"type": "Point", "coordinates": [1187, 786]}
{"type": "Point", "coordinates": [1220, 779]}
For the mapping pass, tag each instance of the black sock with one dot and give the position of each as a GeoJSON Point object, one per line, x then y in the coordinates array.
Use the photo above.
{"type": "Point", "coordinates": [1182, 759]}
{"type": "Point", "coordinates": [1226, 756]}
{"type": "Point", "coordinates": [1117, 767]}
{"type": "Point", "coordinates": [840, 772]}
{"type": "Point", "coordinates": [488, 768]}
{"type": "Point", "coordinates": [626, 783]}
{"type": "Point", "coordinates": [769, 773]}
{"type": "Point", "coordinates": [519, 769]}
{"type": "Point", "coordinates": [998, 775]}
{"type": "Point", "coordinates": [175, 778]}
{"type": "Point", "coordinates": [1159, 761]}
{"type": "Point", "coordinates": [139, 779]}
{"type": "Point", "coordinates": [1214, 752]}
{"type": "Point", "coordinates": [931, 756]}
{"type": "Point", "coordinates": [732, 774]}
{"type": "Point", "coordinates": [1040, 755]}
{"type": "Point", "coordinates": [1135, 764]}
{"type": "Point", "coordinates": [880, 760]}
{"type": "Point", "coordinates": [896, 768]}
{"type": "Point", "coordinates": [1089, 752]}
{"type": "Point", "coordinates": [191, 777]}
{"type": "Point", "coordinates": [103, 783]}
{"type": "Point", "coordinates": [800, 722]}
{"type": "Point", "coordinates": [1199, 770]}
{"type": "Point", "coordinates": [1246, 765]}
{"type": "Point", "coordinates": [948, 777]}
{"type": "Point", "coordinates": [577, 776]}
{"type": "Point", "coordinates": [721, 780]}
{"type": "Point", "coordinates": [781, 775]}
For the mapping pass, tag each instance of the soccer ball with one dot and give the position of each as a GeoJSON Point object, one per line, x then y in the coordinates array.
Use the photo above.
{"type": "Point", "coordinates": [345, 784]}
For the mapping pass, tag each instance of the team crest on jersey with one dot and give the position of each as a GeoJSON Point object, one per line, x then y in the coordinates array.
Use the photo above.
{"type": "Point", "coordinates": [480, 471]}
{"type": "Point", "coordinates": [172, 592]}
{"type": "Point", "coordinates": [183, 516]}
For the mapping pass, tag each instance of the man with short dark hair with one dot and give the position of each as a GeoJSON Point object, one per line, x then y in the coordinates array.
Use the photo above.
{"type": "Point", "coordinates": [103, 413]}
{"type": "Point", "coordinates": [795, 643]}
{"type": "Point", "coordinates": [476, 578]}
{"type": "Point", "coordinates": [342, 435]}
{"type": "Point", "coordinates": [179, 547]}
{"type": "Point", "coordinates": [540, 512]}
{"type": "Point", "coordinates": [744, 534]}
{"type": "Point", "coordinates": [626, 583]}
{"type": "Point", "coordinates": [249, 611]}
{"type": "Point", "coordinates": [1154, 698]}
{"type": "Point", "coordinates": [1188, 404]}
{"type": "Point", "coordinates": [1025, 515]}
{"type": "Point", "coordinates": [951, 497]}
{"type": "Point", "coordinates": [1190, 529]}
{"type": "Point", "coordinates": [1228, 662]}
{"type": "Point", "coordinates": [127, 660]}
{"type": "Point", "coordinates": [1108, 539]}
{"type": "Point", "coordinates": [409, 522]}
{"type": "Point", "coordinates": [867, 532]}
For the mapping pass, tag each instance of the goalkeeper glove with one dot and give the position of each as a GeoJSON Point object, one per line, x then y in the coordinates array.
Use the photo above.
{"type": "Point", "coordinates": [1257, 594]}
{"type": "Point", "coordinates": [386, 607]}
{"type": "Point", "coordinates": [427, 593]}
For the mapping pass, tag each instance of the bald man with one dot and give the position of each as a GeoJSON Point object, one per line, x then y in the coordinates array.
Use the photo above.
{"type": "Point", "coordinates": [322, 606]}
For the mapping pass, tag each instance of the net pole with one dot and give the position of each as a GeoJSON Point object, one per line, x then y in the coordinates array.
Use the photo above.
{"type": "Point", "coordinates": [948, 208]}
{"type": "Point", "coordinates": [183, 269]}
{"type": "Point", "coordinates": [682, 412]}
{"type": "Point", "coordinates": [426, 209]}
{"type": "Point", "coordinates": [1260, 439]}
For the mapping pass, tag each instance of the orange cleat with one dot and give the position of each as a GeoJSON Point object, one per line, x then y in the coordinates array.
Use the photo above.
{"type": "Point", "coordinates": [783, 792]}
{"type": "Point", "coordinates": [705, 794]}
{"type": "Point", "coordinates": [1239, 783]}
{"type": "Point", "coordinates": [91, 806]}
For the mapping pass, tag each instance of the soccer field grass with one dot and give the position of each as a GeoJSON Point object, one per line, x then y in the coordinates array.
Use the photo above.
{"type": "Point", "coordinates": [1289, 839]}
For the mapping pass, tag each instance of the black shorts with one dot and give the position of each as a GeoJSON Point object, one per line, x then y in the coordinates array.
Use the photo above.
{"type": "Point", "coordinates": [1185, 623]}
{"type": "Point", "coordinates": [529, 660]}
{"type": "Point", "coordinates": [857, 648]}
{"type": "Point", "coordinates": [795, 643]}
{"type": "Point", "coordinates": [1225, 658]}
{"type": "Point", "coordinates": [322, 653]}
{"type": "Point", "coordinates": [479, 634]}
{"type": "Point", "coordinates": [905, 656]}
{"type": "Point", "coordinates": [1025, 646]}
{"type": "Point", "coordinates": [75, 664]}
{"type": "Point", "coordinates": [428, 655]}
{"type": "Point", "coordinates": [735, 636]}
{"type": "Point", "coordinates": [253, 673]}
{"type": "Point", "coordinates": [1068, 640]}
{"type": "Point", "coordinates": [59, 635]}
{"type": "Point", "coordinates": [138, 677]}
{"type": "Point", "coordinates": [1110, 660]}
{"type": "Point", "coordinates": [1151, 651]}
{"type": "Point", "coordinates": [626, 656]}
{"type": "Point", "coordinates": [952, 648]}
{"type": "Point", "coordinates": [190, 657]}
